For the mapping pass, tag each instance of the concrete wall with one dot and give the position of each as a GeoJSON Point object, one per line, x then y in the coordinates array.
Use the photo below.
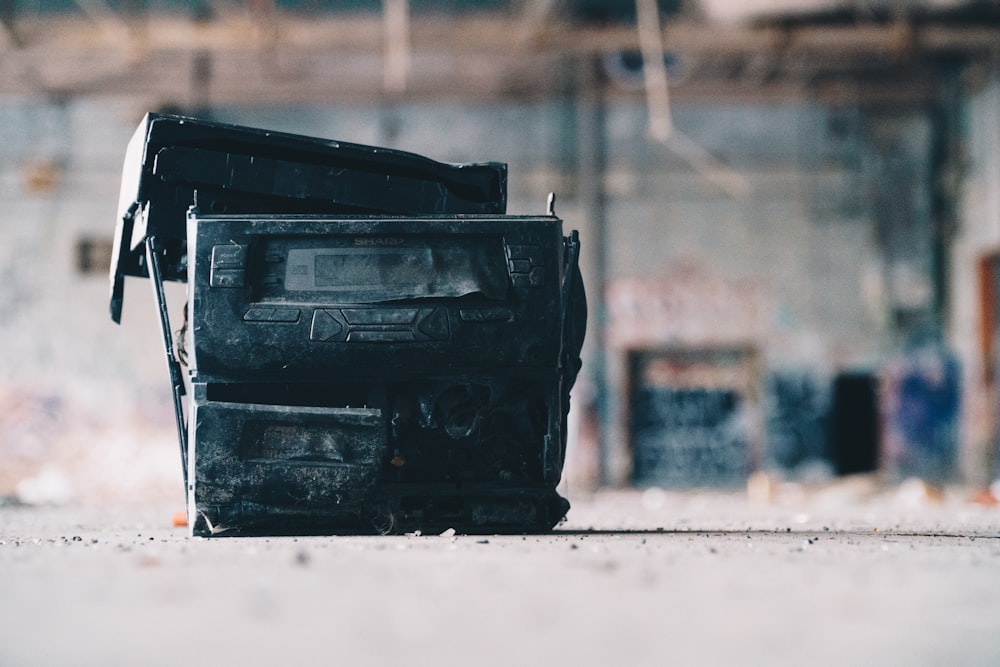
{"type": "Point", "coordinates": [978, 237]}
{"type": "Point", "coordinates": [83, 403]}
{"type": "Point", "coordinates": [801, 234]}
{"type": "Point", "coordinates": [805, 263]}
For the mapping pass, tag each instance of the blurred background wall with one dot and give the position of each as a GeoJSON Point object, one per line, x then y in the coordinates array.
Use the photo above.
{"type": "Point", "coordinates": [790, 215]}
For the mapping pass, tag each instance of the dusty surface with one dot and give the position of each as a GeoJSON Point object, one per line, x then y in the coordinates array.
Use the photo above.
{"type": "Point", "coordinates": [631, 579]}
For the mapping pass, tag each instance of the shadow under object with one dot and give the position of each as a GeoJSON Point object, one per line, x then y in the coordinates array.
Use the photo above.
{"type": "Point", "coordinates": [372, 344]}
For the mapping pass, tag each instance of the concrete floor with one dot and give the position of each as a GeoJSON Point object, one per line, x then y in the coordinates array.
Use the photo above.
{"type": "Point", "coordinates": [840, 576]}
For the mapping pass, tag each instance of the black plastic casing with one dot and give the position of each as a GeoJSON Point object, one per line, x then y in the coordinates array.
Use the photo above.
{"type": "Point", "coordinates": [317, 404]}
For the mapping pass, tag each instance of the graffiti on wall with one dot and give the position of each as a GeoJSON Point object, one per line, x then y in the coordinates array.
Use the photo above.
{"type": "Point", "coordinates": [691, 416]}
{"type": "Point", "coordinates": [686, 307]}
{"type": "Point", "coordinates": [796, 406]}
{"type": "Point", "coordinates": [922, 401]}
{"type": "Point", "coordinates": [688, 437]}
{"type": "Point", "coordinates": [691, 340]}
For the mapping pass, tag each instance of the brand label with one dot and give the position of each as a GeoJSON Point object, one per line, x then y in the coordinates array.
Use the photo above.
{"type": "Point", "coordinates": [378, 241]}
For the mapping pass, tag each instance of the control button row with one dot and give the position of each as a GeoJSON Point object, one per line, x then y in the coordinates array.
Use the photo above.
{"type": "Point", "coordinates": [525, 265]}
{"type": "Point", "coordinates": [228, 267]}
{"type": "Point", "coordinates": [370, 325]}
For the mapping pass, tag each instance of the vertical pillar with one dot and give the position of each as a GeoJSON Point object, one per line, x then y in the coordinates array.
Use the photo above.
{"type": "Point", "coordinates": [201, 67]}
{"type": "Point", "coordinates": [590, 186]}
{"type": "Point", "coordinates": [947, 163]}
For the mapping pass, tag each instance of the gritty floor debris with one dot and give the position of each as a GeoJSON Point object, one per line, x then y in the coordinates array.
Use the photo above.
{"type": "Point", "coordinates": [631, 578]}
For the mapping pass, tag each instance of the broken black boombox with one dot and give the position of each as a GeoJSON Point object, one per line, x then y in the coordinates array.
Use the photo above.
{"type": "Point", "coordinates": [372, 344]}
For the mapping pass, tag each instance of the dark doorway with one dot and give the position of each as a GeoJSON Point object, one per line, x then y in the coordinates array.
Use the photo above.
{"type": "Point", "coordinates": [855, 423]}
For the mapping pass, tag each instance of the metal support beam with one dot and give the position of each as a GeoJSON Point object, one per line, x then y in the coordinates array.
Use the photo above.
{"type": "Point", "coordinates": [591, 158]}
{"type": "Point", "coordinates": [329, 57]}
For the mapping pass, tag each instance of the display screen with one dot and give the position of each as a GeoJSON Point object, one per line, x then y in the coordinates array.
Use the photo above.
{"type": "Point", "coordinates": [367, 268]}
{"type": "Point", "coordinates": [446, 268]}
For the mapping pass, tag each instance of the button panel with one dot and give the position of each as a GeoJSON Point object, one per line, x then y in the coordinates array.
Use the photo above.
{"type": "Point", "coordinates": [379, 325]}
{"type": "Point", "coordinates": [229, 266]}
{"type": "Point", "coordinates": [525, 265]}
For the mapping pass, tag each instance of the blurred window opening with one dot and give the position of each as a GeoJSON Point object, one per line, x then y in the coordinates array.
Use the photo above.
{"type": "Point", "coordinates": [93, 255]}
